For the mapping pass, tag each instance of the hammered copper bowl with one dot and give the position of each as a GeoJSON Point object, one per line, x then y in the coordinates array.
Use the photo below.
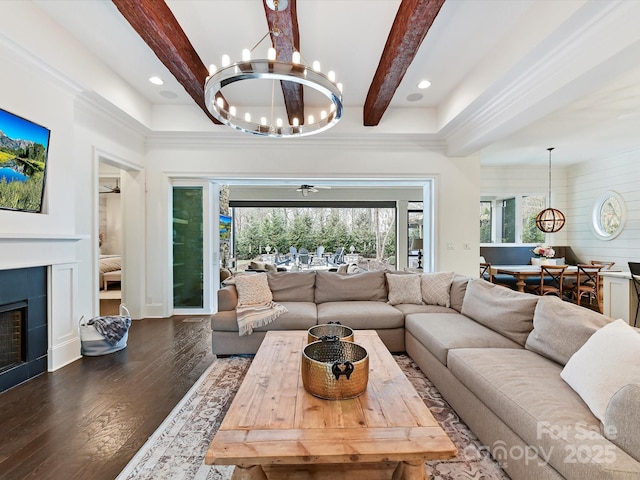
{"type": "Point", "coordinates": [330, 330]}
{"type": "Point", "coordinates": [334, 369]}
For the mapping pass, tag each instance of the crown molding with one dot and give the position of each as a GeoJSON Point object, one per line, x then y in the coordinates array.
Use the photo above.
{"type": "Point", "coordinates": [202, 140]}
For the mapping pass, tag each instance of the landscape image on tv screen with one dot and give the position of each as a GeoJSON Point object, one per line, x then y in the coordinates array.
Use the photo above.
{"type": "Point", "coordinates": [23, 162]}
{"type": "Point", "coordinates": [225, 227]}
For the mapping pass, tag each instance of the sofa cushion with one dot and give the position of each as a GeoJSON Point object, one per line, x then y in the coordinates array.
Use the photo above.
{"type": "Point", "coordinates": [292, 286]}
{"type": "Point", "coordinates": [525, 390]}
{"type": "Point", "coordinates": [409, 308]}
{"type": "Point", "coordinates": [404, 289]}
{"type": "Point", "coordinates": [333, 287]}
{"type": "Point", "coordinates": [440, 332]}
{"type": "Point", "coordinates": [561, 328]}
{"type": "Point", "coordinates": [436, 287]}
{"type": "Point", "coordinates": [501, 309]}
{"type": "Point", "coordinates": [604, 364]}
{"type": "Point", "coordinates": [299, 316]}
{"type": "Point", "coordinates": [458, 290]}
{"type": "Point", "coordinates": [253, 289]}
{"type": "Point", "coordinates": [361, 315]}
{"type": "Point", "coordinates": [622, 420]}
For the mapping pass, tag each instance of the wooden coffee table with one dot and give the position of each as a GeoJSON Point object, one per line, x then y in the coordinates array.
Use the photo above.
{"type": "Point", "coordinates": [275, 429]}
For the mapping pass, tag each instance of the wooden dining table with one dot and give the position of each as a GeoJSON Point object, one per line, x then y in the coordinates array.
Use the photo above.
{"type": "Point", "coordinates": [522, 272]}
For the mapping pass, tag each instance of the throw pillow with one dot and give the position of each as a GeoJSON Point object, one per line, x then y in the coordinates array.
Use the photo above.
{"type": "Point", "coordinates": [604, 364]}
{"type": "Point", "coordinates": [253, 265]}
{"type": "Point", "coordinates": [343, 268]}
{"type": "Point", "coordinates": [436, 288]}
{"type": "Point", "coordinates": [253, 289]}
{"type": "Point", "coordinates": [404, 289]}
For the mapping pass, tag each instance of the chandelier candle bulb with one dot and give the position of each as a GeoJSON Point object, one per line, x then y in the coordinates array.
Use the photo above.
{"type": "Point", "coordinates": [296, 122]}
{"type": "Point", "coordinates": [226, 60]}
{"type": "Point", "coordinates": [332, 75]}
{"type": "Point", "coordinates": [278, 122]}
{"type": "Point", "coordinates": [246, 55]}
{"type": "Point", "coordinates": [247, 117]}
{"type": "Point", "coordinates": [316, 66]}
{"type": "Point", "coordinates": [295, 58]}
{"type": "Point", "coordinates": [339, 85]}
{"type": "Point", "coordinates": [263, 120]}
{"type": "Point", "coordinates": [271, 54]}
{"type": "Point", "coordinates": [212, 69]}
{"type": "Point", "coordinates": [311, 120]}
{"type": "Point", "coordinates": [323, 114]}
{"type": "Point", "coordinates": [232, 110]}
{"type": "Point", "coordinates": [220, 102]}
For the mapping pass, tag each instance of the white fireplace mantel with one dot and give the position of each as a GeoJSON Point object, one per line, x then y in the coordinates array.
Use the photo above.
{"type": "Point", "coordinates": [21, 250]}
{"type": "Point", "coordinates": [59, 253]}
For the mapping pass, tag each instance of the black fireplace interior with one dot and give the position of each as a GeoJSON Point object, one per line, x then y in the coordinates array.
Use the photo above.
{"type": "Point", "coordinates": [23, 325]}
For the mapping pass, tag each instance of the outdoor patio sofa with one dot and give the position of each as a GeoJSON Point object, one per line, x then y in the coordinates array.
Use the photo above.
{"type": "Point", "coordinates": [496, 355]}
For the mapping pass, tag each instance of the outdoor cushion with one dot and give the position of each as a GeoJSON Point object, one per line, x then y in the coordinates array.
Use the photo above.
{"type": "Point", "coordinates": [440, 332]}
{"type": "Point", "coordinates": [292, 286]}
{"type": "Point", "coordinates": [501, 309]}
{"type": "Point", "coordinates": [525, 390]}
{"type": "Point", "coordinates": [333, 287]}
{"type": "Point", "coordinates": [300, 316]}
{"type": "Point", "coordinates": [361, 315]}
{"type": "Point", "coordinates": [560, 328]}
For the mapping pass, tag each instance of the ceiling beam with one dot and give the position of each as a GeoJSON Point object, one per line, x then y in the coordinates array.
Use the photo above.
{"type": "Point", "coordinates": [285, 23]}
{"type": "Point", "coordinates": [412, 22]}
{"type": "Point", "coordinates": [158, 27]}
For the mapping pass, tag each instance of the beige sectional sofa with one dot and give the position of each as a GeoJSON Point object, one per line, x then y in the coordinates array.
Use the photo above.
{"type": "Point", "coordinates": [496, 356]}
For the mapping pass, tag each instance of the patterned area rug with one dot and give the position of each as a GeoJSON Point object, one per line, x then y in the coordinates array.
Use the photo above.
{"type": "Point", "coordinates": [176, 449]}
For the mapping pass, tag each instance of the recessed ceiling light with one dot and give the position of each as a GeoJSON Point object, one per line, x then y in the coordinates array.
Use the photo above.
{"type": "Point", "coordinates": [156, 80]}
{"type": "Point", "coordinates": [424, 84]}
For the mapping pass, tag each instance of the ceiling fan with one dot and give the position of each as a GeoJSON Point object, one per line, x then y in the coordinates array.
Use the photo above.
{"type": "Point", "coordinates": [305, 189]}
{"type": "Point", "coordinates": [115, 189]}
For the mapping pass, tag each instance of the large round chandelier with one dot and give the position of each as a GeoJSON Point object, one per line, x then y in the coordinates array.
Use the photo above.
{"type": "Point", "coordinates": [269, 68]}
{"type": "Point", "coordinates": [550, 220]}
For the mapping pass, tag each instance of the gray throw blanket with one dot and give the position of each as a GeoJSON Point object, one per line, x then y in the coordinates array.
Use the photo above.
{"type": "Point", "coordinates": [112, 328]}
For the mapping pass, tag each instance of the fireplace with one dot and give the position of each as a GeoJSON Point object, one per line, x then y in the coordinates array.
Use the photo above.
{"type": "Point", "coordinates": [23, 325]}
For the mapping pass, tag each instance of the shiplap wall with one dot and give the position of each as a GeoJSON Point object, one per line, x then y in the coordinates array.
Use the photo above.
{"type": "Point", "coordinates": [586, 182]}
{"type": "Point", "coordinates": [500, 181]}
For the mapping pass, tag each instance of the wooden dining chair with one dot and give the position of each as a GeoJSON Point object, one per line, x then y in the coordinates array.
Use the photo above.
{"type": "Point", "coordinates": [605, 265]}
{"type": "Point", "coordinates": [551, 280]}
{"type": "Point", "coordinates": [588, 283]}
{"type": "Point", "coordinates": [485, 271]}
{"type": "Point", "coordinates": [634, 268]}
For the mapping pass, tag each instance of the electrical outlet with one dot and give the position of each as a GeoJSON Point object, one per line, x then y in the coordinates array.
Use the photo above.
{"type": "Point", "coordinates": [449, 246]}
{"type": "Point", "coordinates": [467, 246]}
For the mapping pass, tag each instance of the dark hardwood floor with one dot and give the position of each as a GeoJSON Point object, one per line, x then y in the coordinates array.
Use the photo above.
{"type": "Point", "coordinates": [88, 419]}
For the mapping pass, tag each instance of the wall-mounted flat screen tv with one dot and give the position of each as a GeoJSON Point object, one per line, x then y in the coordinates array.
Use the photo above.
{"type": "Point", "coordinates": [225, 227]}
{"type": "Point", "coordinates": [24, 146]}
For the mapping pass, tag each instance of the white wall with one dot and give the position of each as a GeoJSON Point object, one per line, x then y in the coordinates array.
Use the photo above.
{"type": "Point", "coordinates": [587, 181]}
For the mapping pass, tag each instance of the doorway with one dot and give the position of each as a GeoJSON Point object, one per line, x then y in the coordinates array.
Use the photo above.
{"type": "Point", "coordinates": [110, 238]}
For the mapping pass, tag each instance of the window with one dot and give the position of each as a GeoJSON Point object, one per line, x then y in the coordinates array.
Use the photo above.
{"type": "Point", "coordinates": [608, 216]}
{"type": "Point", "coordinates": [365, 231]}
{"type": "Point", "coordinates": [415, 223]}
{"type": "Point", "coordinates": [511, 219]}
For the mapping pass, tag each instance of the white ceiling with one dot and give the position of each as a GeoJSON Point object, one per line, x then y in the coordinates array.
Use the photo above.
{"type": "Point", "coordinates": [509, 78]}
